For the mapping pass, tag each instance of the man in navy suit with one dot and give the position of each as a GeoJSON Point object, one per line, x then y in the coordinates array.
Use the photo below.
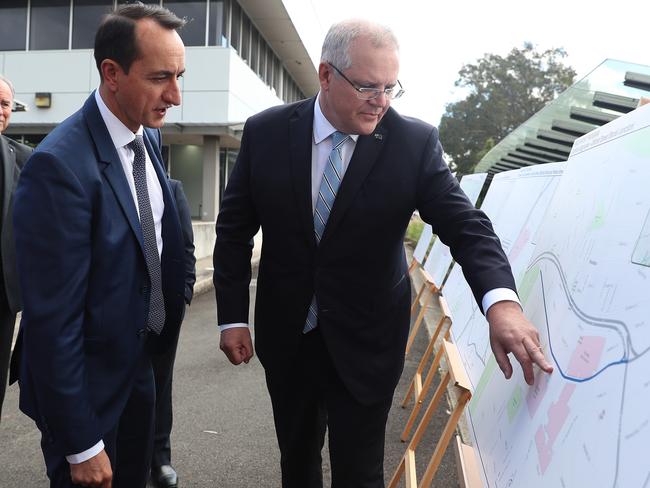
{"type": "Point", "coordinates": [333, 181]}
{"type": "Point", "coordinates": [100, 260]}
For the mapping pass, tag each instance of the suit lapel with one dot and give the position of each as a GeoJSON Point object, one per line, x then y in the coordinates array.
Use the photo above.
{"type": "Point", "coordinates": [112, 166]}
{"type": "Point", "coordinates": [365, 155]}
{"type": "Point", "coordinates": [300, 137]}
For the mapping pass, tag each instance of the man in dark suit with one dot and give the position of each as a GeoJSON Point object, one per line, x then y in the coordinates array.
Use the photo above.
{"type": "Point", "coordinates": [332, 182]}
{"type": "Point", "coordinates": [162, 473]}
{"type": "Point", "coordinates": [12, 158]}
{"type": "Point", "coordinates": [100, 259]}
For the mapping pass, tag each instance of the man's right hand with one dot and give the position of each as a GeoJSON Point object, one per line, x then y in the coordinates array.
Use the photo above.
{"type": "Point", "coordinates": [95, 472]}
{"type": "Point", "coordinates": [237, 345]}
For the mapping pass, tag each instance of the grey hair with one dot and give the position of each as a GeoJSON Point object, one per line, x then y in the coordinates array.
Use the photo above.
{"type": "Point", "coordinates": [9, 84]}
{"type": "Point", "coordinates": [336, 46]}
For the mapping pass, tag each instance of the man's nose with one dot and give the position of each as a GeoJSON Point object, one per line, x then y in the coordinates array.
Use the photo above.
{"type": "Point", "coordinates": [173, 93]}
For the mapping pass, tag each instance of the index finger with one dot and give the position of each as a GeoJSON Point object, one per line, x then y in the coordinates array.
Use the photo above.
{"type": "Point", "coordinates": [537, 356]}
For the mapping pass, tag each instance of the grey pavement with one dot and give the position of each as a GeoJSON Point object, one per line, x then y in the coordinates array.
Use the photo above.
{"type": "Point", "coordinates": [223, 432]}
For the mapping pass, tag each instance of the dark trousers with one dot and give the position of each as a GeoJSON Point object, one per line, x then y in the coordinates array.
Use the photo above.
{"type": "Point", "coordinates": [311, 398]}
{"type": "Point", "coordinates": [7, 323]}
{"type": "Point", "coordinates": [163, 371]}
{"type": "Point", "coordinates": [128, 444]}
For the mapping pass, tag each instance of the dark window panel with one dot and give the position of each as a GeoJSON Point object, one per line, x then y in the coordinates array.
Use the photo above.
{"type": "Point", "coordinates": [49, 24]}
{"type": "Point", "coordinates": [218, 29]}
{"type": "Point", "coordinates": [235, 26]}
{"type": "Point", "coordinates": [193, 34]}
{"type": "Point", "coordinates": [13, 25]}
{"type": "Point", "coordinates": [86, 16]}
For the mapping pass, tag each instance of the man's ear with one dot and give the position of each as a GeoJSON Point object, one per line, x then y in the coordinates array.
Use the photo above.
{"type": "Point", "coordinates": [110, 71]}
{"type": "Point", "coordinates": [325, 74]}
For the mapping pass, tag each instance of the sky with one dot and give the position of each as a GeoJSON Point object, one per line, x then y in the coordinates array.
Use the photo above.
{"type": "Point", "coordinates": [438, 37]}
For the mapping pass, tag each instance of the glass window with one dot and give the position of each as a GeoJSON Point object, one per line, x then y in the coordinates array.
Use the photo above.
{"type": "Point", "coordinates": [13, 25]}
{"type": "Point", "coordinates": [235, 26]}
{"type": "Point", "coordinates": [246, 38]}
{"type": "Point", "coordinates": [227, 160]}
{"type": "Point", "coordinates": [218, 30]}
{"type": "Point", "coordinates": [269, 66]}
{"type": "Point", "coordinates": [277, 77]}
{"type": "Point", "coordinates": [86, 16]}
{"type": "Point", "coordinates": [255, 40]}
{"type": "Point", "coordinates": [193, 34]}
{"type": "Point", "coordinates": [49, 24]}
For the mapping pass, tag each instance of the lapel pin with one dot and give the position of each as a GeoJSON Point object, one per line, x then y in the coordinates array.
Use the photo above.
{"type": "Point", "coordinates": [378, 136]}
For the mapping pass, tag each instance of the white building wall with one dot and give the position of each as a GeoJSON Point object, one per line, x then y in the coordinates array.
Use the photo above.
{"type": "Point", "coordinates": [218, 87]}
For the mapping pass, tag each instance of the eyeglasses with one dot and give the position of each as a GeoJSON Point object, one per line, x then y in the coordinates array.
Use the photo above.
{"type": "Point", "coordinates": [369, 93]}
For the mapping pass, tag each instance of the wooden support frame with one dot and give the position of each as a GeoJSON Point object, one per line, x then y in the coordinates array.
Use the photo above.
{"type": "Point", "coordinates": [418, 389]}
{"type": "Point", "coordinates": [469, 475]}
{"type": "Point", "coordinates": [457, 376]}
{"type": "Point", "coordinates": [424, 294]}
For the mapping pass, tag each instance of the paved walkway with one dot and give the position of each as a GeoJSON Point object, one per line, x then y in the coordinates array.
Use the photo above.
{"type": "Point", "coordinates": [223, 433]}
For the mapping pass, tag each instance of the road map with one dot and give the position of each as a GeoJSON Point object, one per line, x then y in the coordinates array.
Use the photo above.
{"type": "Point", "coordinates": [586, 288]}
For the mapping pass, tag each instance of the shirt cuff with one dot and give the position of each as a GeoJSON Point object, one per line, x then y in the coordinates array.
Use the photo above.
{"type": "Point", "coordinates": [87, 454]}
{"type": "Point", "coordinates": [498, 295]}
{"type": "Point", "coordinates": [223, 327]}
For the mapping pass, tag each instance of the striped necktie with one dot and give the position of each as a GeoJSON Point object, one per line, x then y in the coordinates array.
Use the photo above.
{"type": "Point", "coordinates": [329, 186]}
{"type": "Point", "coordinates": [156, 318]}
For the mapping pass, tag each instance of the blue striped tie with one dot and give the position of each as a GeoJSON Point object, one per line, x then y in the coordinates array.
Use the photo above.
{"type": "Point", "coordinates": [329, 186]}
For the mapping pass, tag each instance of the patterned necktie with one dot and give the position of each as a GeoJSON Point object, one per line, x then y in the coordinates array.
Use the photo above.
{"type": "Point", "coordinates": [329, 186]}
{"type": "Point", "coordinates": [156, 318]}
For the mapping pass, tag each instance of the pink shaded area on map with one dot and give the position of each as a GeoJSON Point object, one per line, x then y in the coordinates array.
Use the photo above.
{"type": "Point", "coordinates": [520, 243]}
{"type": "Point", "coordinates": [584, 362]}
{"type": "Point", "coordinates": [536, 393]}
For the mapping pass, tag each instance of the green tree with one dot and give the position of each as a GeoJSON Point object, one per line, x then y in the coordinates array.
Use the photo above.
{"type": "Point", "coordinates": [503, 92]}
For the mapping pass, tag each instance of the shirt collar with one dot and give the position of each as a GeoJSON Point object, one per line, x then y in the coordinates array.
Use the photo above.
{"type": "Point", "coordinates": [322, 127]}
{"type": "Point", "coordinates": [120, 133]}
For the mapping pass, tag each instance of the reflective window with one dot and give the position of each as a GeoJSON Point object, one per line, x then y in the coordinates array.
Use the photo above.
{"type": "Point", "coordinates": [86, 16]}
{"type": "Point", "coordinates": [193, 34]}
{"type": "Point", "coordinates": [235, 26]}
{"type": "Point", "coordinates": [13, 24]}
{"type": "Point", "coordinates": [218, 30]}
{"type": "Point", "coordinates": [255, 45]}
{"type": "Point", "coordinates": [246, 38]}
{"type": "Point", "coordinates": [49, 24]}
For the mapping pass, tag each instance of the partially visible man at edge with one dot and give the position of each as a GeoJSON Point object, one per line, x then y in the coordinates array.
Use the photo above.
{"type": "Point", "coordinates": [100, 259]}
{"type": "Point", "coordinates": [12, 158]}
{"type": "Point", "coordinates": [333, 181]}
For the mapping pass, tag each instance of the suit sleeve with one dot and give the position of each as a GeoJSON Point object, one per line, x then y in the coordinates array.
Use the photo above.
{"type": "Point", "coordinates": [466, 230]}
{"type": "Point", "coordinates": [189, 260]}
{"type": "Point", "coordinates": [52, 224]}
{"type": "Point", "coordinates": [236, 226]}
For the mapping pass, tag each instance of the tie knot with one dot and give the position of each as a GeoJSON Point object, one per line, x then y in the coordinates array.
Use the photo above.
{"type": "Point", "coordinates": [137, 145]}
{"type": "Point", "coordinates": [338, 138]}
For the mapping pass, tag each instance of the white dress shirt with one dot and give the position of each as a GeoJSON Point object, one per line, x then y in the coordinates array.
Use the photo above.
{"type": "Point", "coordinates": [321, 146]}
{"type": "Point", "coordinates": [121, 136]}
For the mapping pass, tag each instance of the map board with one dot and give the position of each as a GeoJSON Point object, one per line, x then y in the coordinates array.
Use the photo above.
{"type": "Point", "coordinates": [423, 244]}
{"type": "Point", "coordinates": [587, 290]}
{"type": "Point", "coordinates": [440, 258]}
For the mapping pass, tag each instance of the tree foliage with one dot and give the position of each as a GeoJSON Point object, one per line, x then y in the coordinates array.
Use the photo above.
{"type": "Point", "coordinates": [503, 93]}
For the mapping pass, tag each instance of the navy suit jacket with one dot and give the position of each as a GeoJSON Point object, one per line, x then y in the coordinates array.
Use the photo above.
{"type": "Point", "coordinates": [84, 280]}
{"type": "Point", "coordinates": [358, 271]}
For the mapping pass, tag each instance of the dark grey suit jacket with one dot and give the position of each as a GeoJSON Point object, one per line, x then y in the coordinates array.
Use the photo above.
{"type": "Point", "coordinates": [13, 156]}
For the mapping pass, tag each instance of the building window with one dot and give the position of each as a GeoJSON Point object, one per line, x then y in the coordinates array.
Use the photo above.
{"type": "Point", "coordinates": [86, 16]}
{"type": "Point", "coordinates": [219, 23]}
{"type": "Point", "coordinates": [227, 160]}
{"type": "Point", "coordinates": [246, 38]}
{"type": "Point", "coordinates": [193, 33]}
{"type": "Point", "coordinates": [13, 25]}
{"type": "Point", "coordinates": [49, 24]}
{"type": "Point", "coordinates": [235, 26]}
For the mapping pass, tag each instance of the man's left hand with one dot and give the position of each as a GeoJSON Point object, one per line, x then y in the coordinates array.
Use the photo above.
{"type": "Point", "coordinates": [511, 332]}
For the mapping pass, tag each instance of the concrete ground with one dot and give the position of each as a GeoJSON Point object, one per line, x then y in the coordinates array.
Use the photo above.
{"type": "Point", "coordinates": [223, 432]}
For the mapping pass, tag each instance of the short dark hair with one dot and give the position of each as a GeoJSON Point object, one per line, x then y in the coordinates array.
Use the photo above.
{"type": "Point", "coordinates": [115, 38]}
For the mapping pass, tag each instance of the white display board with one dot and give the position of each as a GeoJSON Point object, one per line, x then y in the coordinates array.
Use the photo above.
{"type": "Point", "coordinates": [440, 258]}
{"type": "Point", "coordinates": [515, 203]}
{"type": "Point", "coordinates": [420, 252]}
{"type": "Point", "coordinates": [587, 290]}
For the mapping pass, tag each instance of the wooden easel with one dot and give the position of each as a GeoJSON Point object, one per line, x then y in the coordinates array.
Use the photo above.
{"type": "Point", "coordinates": [418, 389]}
{"type": "Point", "coordinates": [428, 289]}
{"type": "Point", "coordinates": [468, 470]}
{"type": "Point", "coordinates": [457, 376]}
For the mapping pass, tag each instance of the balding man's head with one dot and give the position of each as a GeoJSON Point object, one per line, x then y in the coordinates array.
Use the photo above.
{"type": "Point", "coordinates": [6, 102]}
